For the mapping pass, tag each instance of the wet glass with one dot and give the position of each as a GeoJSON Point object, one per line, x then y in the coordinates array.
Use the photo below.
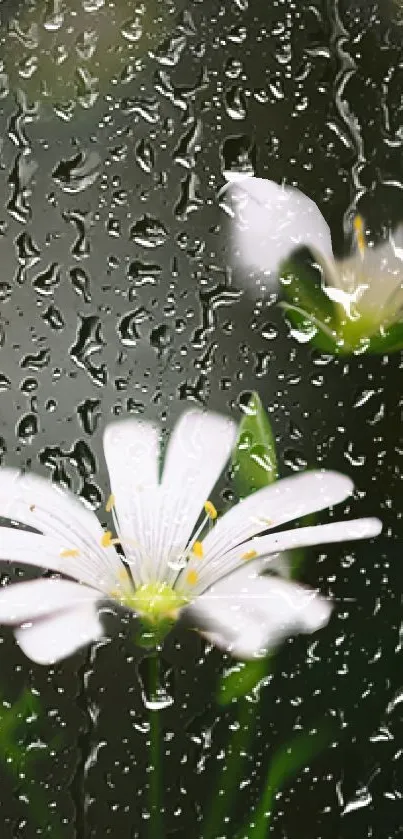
{"type": "Point", "coordinates": [120, 296]}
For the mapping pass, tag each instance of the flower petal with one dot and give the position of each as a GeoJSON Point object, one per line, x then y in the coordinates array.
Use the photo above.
{"type": "Point", "coordinates": [55, 637]}
{"type": "Point", "coordinates": [198, 450]}
{"type": "Point", "coordinates": [248, 615]}
{"type": "Point", "coordinates": [26, 548]}
{"type": "Point", "coordinates": [272, 220]}
{"type": "Point", "coordinates": [40, 598]}
{"type": "Point", "coordinates": [264, 551]}
{"type": "Point", "coordinates": [57, 513]}
{"type": "Point", "coordinates": [283, 501]}
{"type": "Point", "coordinates": [132, 455]}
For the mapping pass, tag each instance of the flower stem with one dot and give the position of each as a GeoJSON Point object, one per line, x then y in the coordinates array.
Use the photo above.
{"type": "Point", "coordinates": [155, 765]}
{"type": "Point", "coordinates": [229, 780]}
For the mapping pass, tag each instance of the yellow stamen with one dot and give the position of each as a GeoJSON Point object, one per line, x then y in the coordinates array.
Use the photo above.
{"type": "Point", "coordinates": [198, 550]}
{"type": "Point", "coordinates": [106, 540]}
{"type": "Point", "coordinates": [192, 577]}
{"type": "Point", "coordinates": [359, 231]}
{"type": "Point", "coordinates": [249, 555]}
{"type": "Point", "coordinates": [210, 510]}
{"type": "Point", "coordinates": [69, 552]}
{"type": "Point", "coordinates": [110, 503]}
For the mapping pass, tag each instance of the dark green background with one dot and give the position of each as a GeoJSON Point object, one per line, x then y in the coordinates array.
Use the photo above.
{"type": "Point", "coordinates": [319, 90]}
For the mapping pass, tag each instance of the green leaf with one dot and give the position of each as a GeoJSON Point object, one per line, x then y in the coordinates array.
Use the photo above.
{"type": "Point", "coordinates": [242, 679]}
{"type": "Point", "coordinates": [390, 341]}
{"type": "Point", "coordinates": [312, 330]}
{"type": "Point", "coordinates": [302, 283]}
{"type": "Point", "coordinates": [309, 309]}
{"type": "Point", "coordinates": [254, 458]}
{"type": "Point", "coordinates": [286, 763]}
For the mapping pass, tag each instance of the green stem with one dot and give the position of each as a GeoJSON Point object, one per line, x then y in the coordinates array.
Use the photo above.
{"type": "Point", "coordinates": [228, 783]}
{"type": "Point", "coordinates": [155, 765]}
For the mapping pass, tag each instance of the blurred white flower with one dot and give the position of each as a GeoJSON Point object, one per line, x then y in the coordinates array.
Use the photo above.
{"type": "Point", "coordinates": [172, 560]}
{"type": "Point", "coordinates": [366, 289]}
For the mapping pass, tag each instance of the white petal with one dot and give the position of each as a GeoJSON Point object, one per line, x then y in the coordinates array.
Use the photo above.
{"type": "Point", "coordinates": [271, 221]}
{"type": "Point", "coordinates": [36, 502]}
{"type": "Point", "coordinates": [283, 501]}
{"type": "Point", "coordinates": [38, 598]}
{"type": "Point", "coordinates": [53, 638]}
{"type": "Point", "coordinates": [248, 615]}
{"type": "Point", "coordinates": [198, 450]}
{"type": "Point", "coordinates": [27, 548]}
{"type": "Point", "coordinates": [267, 548]}
{"type": "Point", "coordinates": [132, 456]}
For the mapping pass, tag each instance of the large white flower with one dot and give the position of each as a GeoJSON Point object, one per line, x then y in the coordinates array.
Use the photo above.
{"type": "Point", "coordinates": [173, 560]}
{"type": "Point", "coordinates": [366, 288]}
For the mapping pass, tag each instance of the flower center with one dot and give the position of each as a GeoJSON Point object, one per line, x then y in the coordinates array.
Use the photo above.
{"type": "Point", "coordinates": [155, 602]}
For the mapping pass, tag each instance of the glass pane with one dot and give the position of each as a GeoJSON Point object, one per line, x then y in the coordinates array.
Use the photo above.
{"type": "Point", "coordinates": [140, 281]}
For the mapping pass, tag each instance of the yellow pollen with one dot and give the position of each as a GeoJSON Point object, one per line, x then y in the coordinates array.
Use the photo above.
{"type": "Point", "coordinates": [210, 510]}
{"type": "Point", "coordinates": [192, 577]}
{"type": "Point", "coordinates": [70, 552]}
{"type": "Point", "coordinates": [110, 503]}
{"type": "Point", "coordinates": [359, 231]}
{"type": "Point", "coordinates": [106, 540]}
{"type": "Point", "coordinates": [198, 550]}
{"type": "Point", "coordinates": [249, 555]}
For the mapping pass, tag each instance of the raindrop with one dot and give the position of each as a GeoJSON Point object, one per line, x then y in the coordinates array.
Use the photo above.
{"type": "Point", "coordinates": [81, 283]}
{"type": "Point", "coordinates": [144, 155]}
{"type": "Point", "coordinates": [148, 232]}
{"type": "Point", "coordinates": [5, 292]}
{"type": "Point", "coordinates": [5, 383]}
{"type": "Point", "coordinates": [148, 109]}
{"type": "Point", "coordinates": [81, 246]}
{"type": "Point", "coordinates": [128, 326]}
{"type": "Point", "coordinates": [86, 44]}
{"type": "Point", "coordinates": [235, 103]}
{"type": "Point", "coordinates": [169, 52]}
{"type": "Point", "coordinates": [27, 428]}
{"type": "Point", "coordinates": [36, 362]}
{"type": "Point", "coordinates": [238, 154]}
{"type": "Point", "coordinates": [154, 676]}
{"type": "Point", "coordinates": [19, 180]}
{"type": "Point", "coordinates": [144, 273]}
{"type": "Point", "coordinates": [77, 173]}
{"type": "Point", "coordinates": [189, 145]}
{"type": "Point", "coordinates": [189, 200]}
{"type": "Point", "coordinates": [54, 318]}
{"type": "Point", "coordinates": [89, 415]}
{"type": "Point", "coordinates": [132, 30]}
{"type": "Point", "coordinates": [89, 340]}
{"type": "Point", "coordinates": [28, 386]}
{"type": "Point", "coordinates": [45, 282]}
{"type": "Point", "coordinates": [27, 251]}
{"type": "Point", "coordinates": [161, 338]}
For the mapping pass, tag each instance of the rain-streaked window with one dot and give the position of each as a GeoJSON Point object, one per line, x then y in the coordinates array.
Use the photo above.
{"type": "Point", "coordinates": [201, 325]}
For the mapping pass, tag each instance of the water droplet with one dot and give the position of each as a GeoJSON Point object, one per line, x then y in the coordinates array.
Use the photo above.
{"type": "Point", "coordinates": [27, 428]}
{"type": "Point", "coordinates": [148, 232]}
{"type": "Point", "coordinates": [128, 326]}
{"type": "Point", "coordinates": [45, 282]}
{"type": "Point", "coordinates": [144, 154]}
{"type": "Point", "coordinates": [89, 340]}
{"type": "Point", "coordinates": [77, 173]}
{"type": "Point", "coordinates": [81, 283]}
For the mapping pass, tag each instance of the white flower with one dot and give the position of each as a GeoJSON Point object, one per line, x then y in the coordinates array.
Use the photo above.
{"type": "Point", "coordinates": [367, 288]}
{"type": "Point", "coordinates": [270, 221]}
{"type": "Point", "coordinates": [175, 562]}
